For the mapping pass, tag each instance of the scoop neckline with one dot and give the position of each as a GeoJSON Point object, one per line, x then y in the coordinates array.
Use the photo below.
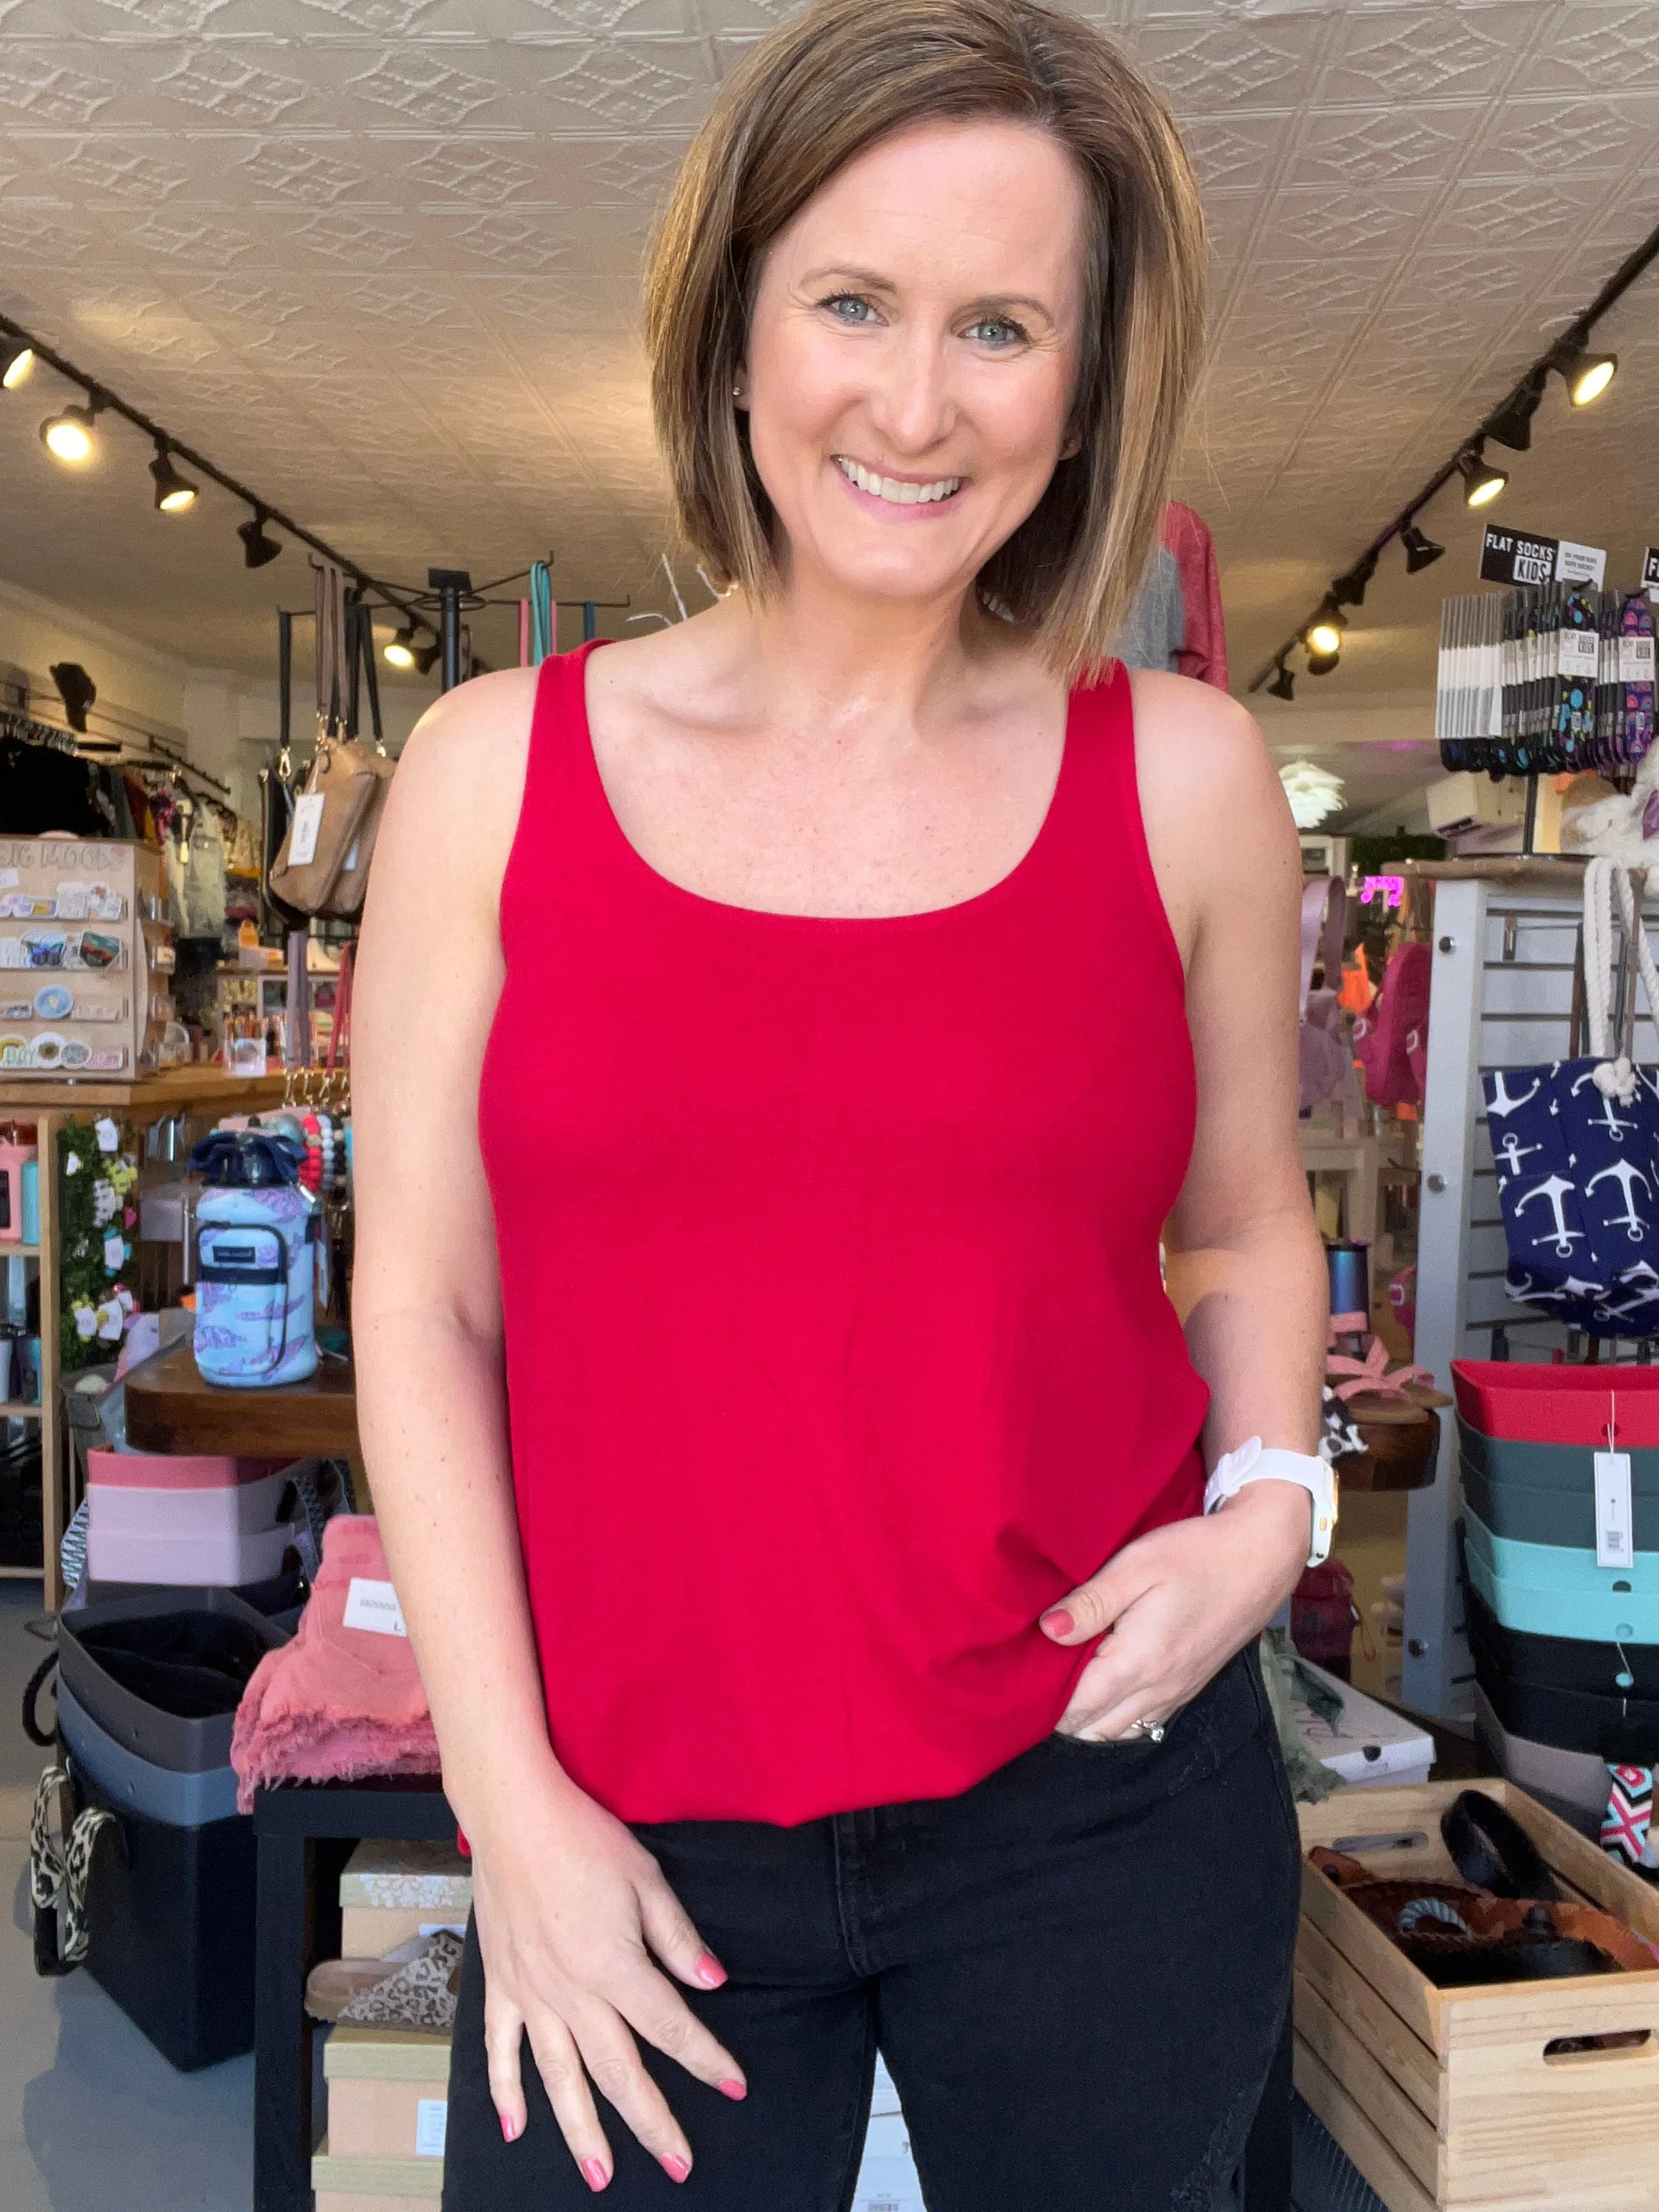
{"type": "Point", "coordinates": [976, 903]}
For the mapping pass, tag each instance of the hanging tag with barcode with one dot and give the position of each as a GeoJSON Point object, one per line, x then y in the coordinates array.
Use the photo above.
{"type": "Point", "coordinates": [1615, 1543]}
{"type": "Point", "coordinates": [302, 838]}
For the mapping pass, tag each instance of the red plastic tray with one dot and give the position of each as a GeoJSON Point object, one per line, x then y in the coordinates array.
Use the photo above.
{"type": "Point", "coordinates": [1529, 1403]}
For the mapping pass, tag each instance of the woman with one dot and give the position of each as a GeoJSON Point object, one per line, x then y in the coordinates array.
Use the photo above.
{"type": "Point", "coordinates": [781, 1040]}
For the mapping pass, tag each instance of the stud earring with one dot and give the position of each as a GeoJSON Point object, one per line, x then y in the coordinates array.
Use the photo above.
{"type": "Point", "coordinates": [737, 388]}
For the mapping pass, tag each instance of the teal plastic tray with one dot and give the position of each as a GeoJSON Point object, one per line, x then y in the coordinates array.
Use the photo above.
{"type": "Point", "coordinates": [1558, 1590]}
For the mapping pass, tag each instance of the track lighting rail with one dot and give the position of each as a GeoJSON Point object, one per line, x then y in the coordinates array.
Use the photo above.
{"type": "Point", "coordinates": [1587, 375]}
{"type": "Point", "coordinates": [100, 400]}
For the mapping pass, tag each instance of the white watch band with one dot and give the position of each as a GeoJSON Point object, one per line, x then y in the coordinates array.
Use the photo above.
{"type": "Point", "coordinates": [1251, 1462]}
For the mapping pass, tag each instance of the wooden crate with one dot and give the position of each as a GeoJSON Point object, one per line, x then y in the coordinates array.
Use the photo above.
{"type": "Point", "coordinates": [1453, 2098]}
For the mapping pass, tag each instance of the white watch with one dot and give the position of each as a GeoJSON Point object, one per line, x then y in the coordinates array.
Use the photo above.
{"type": "Point", "coordinates": [1251, 1463]}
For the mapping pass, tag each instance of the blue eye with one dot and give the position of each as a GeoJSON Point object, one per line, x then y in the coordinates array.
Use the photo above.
{"type": "Point", "coordinates": [849, 307]}
{"type": "Point", "coordinates": [997, 329]}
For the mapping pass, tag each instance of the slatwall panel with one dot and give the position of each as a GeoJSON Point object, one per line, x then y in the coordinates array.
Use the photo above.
{"type": "Point", "coordinates": [1501, 996]}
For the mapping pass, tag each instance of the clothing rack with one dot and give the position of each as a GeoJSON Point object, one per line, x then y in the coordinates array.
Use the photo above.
{"type": "Point", "coordinates": [15, 723]}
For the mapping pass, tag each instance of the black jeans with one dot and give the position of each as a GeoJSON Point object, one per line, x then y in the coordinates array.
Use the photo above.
{"type": "Point", "coordinates": [1076, 1972]}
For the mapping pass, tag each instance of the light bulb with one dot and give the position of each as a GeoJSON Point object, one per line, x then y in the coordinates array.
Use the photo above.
{"type": "Point", "coordinates": [69, 436]}
{"type": "Point", "coordinates": [18, 365]}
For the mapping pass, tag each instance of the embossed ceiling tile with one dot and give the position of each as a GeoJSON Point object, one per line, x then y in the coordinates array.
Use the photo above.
{"type": "Point", "coordinates": [47, 85]}
{"type": "Point", "coordinates": [1231, 217]}
{"type": "Point", "coordinates": [1302, 220]}
{"type": "Point", "coordinates": [1553, 211]}
{"type": "Point", "coordinates": [1553, 137]}
{"type": "Point", "coordinates": [1496, 280]}
{"type": "Point", "coordinates": [1410, 56]}
{"type": "Point", "coordinates": [1234, 151]}
{"type": "Point", "coordinates": [1225, 66]}
{"type": "Point", "coordinates": [1364, 147]}
{"type": "Point", "coordinates": [1315, 286]}
{"type": "Point", "coordinates": [619, 84]}
{"type": "Point", "coordinates": [1596, 50]}
{"type": "Point", "coordinates": [551, 305]}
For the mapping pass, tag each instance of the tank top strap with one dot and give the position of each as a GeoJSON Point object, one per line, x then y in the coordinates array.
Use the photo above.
{"type": "Point", "coordinates": [555, 830]}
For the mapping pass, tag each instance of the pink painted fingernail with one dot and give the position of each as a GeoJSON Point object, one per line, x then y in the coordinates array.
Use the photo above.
{"type": "Point", "coordinates": [593, 2172]}
{"type": "Point", "coordinates": [509, 2126]}
{"type": "Point", "coordinates": [1059, 1622]}
{"type": "Point", "coordinates": [731, 2087]}
{"type": "Point", "coordinates": [675, 2168]}
{"type": "Point", "coordinates": [708, 1969]}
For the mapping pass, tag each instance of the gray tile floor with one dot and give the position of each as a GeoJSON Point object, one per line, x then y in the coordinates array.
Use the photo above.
{"type": "Point", "coordinates": [91, 2116]}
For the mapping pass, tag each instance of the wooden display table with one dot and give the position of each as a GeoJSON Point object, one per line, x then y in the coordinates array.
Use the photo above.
{"type": "Point", "coordinates": [171, 1409]}
{"type": "Point", "coordinates": [201, 1090]}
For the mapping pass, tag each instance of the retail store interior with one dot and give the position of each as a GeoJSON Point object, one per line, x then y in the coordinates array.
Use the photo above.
{"type": "Point", "coordinates": [324, 390]}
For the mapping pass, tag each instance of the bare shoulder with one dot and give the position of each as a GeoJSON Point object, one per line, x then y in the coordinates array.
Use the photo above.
{"type": "Point", "coordinates": [455, 802]}
{"type": "Point", "coordinates": [472, 743]}
{"type": "Point", "coordinates": [1214, 810]}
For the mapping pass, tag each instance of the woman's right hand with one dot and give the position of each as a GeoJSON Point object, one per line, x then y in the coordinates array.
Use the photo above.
{"type": "Point", "coordinates": [569, 1907]}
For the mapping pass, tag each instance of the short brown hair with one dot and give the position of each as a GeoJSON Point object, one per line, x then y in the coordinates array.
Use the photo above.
{"type": "Point", "coordinates": [812, 96]}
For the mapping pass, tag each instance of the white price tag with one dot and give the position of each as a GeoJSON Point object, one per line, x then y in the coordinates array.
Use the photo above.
{"type": "Point", "coordinates": [374, 1606]}
{"type": "Point", "coordinates": [431, 2124]}
{"type": "Point", "coordinates": [1580, 651]}
{"type": "Point", "coordinates": [1615, 1543]}
{"type": "Point", "coordinates": [307, 822]}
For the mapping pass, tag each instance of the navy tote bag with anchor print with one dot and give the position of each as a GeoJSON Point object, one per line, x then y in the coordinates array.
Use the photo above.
{"type": "Point", "coordinates": [1576, 1143]}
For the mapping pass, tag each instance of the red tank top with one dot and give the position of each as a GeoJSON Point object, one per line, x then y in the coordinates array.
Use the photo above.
{"type": "Point", "coordinates": [837, 1348]}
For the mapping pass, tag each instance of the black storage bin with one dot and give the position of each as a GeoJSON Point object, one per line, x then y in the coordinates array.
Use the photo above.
{"type": "Point", "coordinates": [171, 1913]}
{"type": "Point", "coordinates": [162, 1672]}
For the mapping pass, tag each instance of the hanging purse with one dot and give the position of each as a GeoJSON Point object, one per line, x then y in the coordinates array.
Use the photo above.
{"type": "Point", "coordinates": [322, 867]}
{"type": "Point", "coordinates": [1576, 1144]}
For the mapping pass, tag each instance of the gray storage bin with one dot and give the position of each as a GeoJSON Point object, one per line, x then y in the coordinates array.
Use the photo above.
{"type": "Point", "coordinates": [183, 1744]}
{"type": "Point", "coordinates": [181, 1801]}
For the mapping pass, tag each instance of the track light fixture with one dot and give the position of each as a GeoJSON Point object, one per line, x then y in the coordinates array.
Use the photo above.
{"type": "Point", "coordinates": [1481, 482]}
{"type": "Point", "coordinates": [425, 657]}
{"type": "Point", "coordinates": [1323, 635]}
{"type": "Point", "coordinates": [1421, 552]}
{"type": "Point", "coordinates": [173, 493]}
{"type": "Point", "coordinates": [1511, 423]}
{"type": "Point", "coordinates": [1586, 374]}
{"type": "Point", "coordinates": [1284, 684]}
{"type": "Point", "coordinates": [258, 548]}
{"type": "Point", "coordinates": [15, 362]}
{"type": "Point", "coordinates": [400, 652]}
{"type": "Point", "coordinates": [1349, 591]}
{"type": "Point", "coordinates": [69, 436]}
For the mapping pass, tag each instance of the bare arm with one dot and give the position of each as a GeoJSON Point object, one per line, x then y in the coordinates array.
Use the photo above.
{"type": "Point", "coordinates": [565, 1898]}
{"type": "Point", "coordinates": [1243, 1260]}
{"type": "Point", "coordinates": [1244, 1266]}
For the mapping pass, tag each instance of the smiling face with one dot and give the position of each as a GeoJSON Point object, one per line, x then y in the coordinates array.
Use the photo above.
{"type": "Point", "coordinates": [912, 355]}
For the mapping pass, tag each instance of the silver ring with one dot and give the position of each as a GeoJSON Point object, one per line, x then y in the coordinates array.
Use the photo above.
{"type": "Point", "coordinates": [1152, 1730]}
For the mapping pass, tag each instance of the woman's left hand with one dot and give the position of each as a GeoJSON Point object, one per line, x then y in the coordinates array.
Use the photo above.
{"type": "Point", "coordinates": [1178, 1603]}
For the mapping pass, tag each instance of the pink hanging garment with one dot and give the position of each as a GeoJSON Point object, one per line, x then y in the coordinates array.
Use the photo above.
{"type": "Point", "coordinates": [1203, 651]}
{"type": "Point", "coordinates": [338, 1702]}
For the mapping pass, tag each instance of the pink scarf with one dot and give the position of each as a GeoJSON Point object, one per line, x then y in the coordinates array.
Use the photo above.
{"type": "Point", "coordinates": [337, 1703]}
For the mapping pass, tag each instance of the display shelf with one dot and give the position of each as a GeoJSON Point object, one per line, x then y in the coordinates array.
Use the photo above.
{"type": "Point", "coordinates": [20, 1574]}
{"type": "Point", "coordinates": [9, 1251]}
{"type": "Point", "coordinates": [19, 1409]}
